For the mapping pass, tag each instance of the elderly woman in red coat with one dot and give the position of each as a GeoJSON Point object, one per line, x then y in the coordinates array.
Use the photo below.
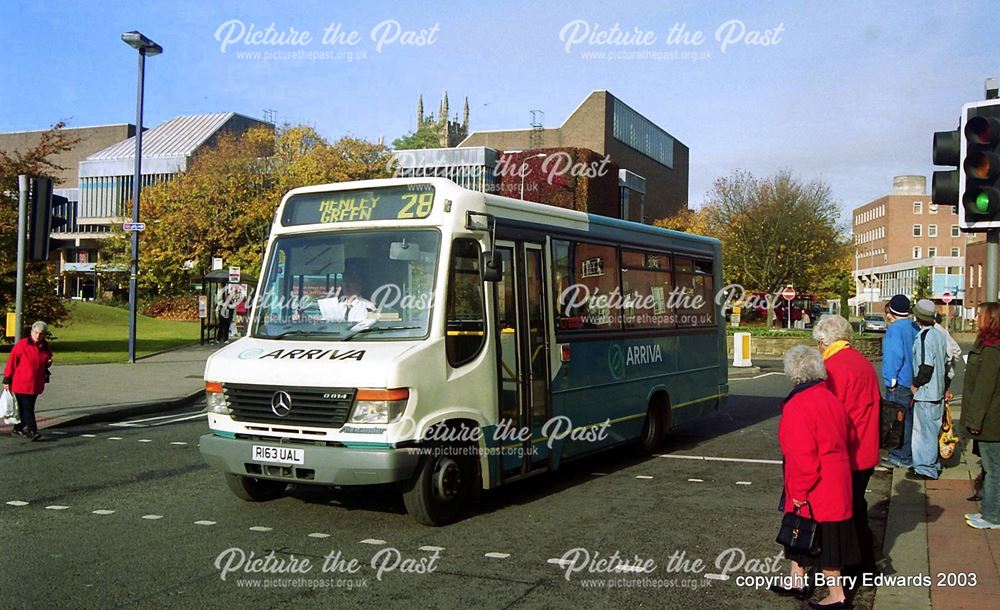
{"type": "Point", "coordinates": [852, 379]}
{"type": "Point", "coordinates": [25, 376]}
{"type": "Point", "coordinates": [813, 437]}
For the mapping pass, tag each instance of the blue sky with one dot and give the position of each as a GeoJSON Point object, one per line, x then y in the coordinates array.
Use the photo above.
{"type": "Point", "coordinates": [847, 92]}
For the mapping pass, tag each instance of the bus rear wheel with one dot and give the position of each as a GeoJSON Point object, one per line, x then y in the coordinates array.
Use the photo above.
{"type": "Point", "coordinates": [250, 489]}
{"type": "Point", "coordinates": [441, 488]}
{"type": "Point", "coordinates": [654, 430]}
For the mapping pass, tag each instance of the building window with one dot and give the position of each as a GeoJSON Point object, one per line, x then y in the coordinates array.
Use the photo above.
{"type": "Point", "coordinates": [918, 207]}
{"type": "Point", "coordinates": [932, 208]}
{"type": "Point", "coordinates": [955, 231]}
{"type": "Point", "coordinates": [916, 251]}
{"type": "Point", "coordinates": [916, 230]}
{"type": "Point", "coordinates": [931, 230]}
{"type": "Point", "coordinates": [954, 251]}
{"type": "Point", "coordinates": [979, 275]}
{"type": "Point", "coordinates": [932, 251]}
{"type": "Point", "coordinates": [634, 130]}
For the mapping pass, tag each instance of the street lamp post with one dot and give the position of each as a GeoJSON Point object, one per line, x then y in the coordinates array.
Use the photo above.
{"type": "Point", "coordinates": [146, 47]}
{"type": "Point", "coordinates": [525, 160]}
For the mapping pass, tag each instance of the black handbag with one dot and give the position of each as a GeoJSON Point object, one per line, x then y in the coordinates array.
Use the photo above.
{"type": "Point", "coordinates": [891, 416]}
{"type": "Point", "coordinates": [798, 533]}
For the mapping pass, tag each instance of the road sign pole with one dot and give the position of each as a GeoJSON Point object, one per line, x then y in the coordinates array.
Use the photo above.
{"type": "Point", "coordinates": [22, 241]}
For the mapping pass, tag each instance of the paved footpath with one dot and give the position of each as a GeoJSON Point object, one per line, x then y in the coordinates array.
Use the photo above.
{"type": "Point", "coordinates": [79, 393]}
{"type": "Point", "coordinates": [926, 535]}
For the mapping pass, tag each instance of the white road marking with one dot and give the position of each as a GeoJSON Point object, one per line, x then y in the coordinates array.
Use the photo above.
{"type": "Point", "coordinates": [432, 548]}
{"type": "Point", "coordinates": [696, 480]}
{"type": "Point", "coordinates": [319, 535]}
{"type": "Point", "coordinates": [375, 541]}
{"type": "Point", "coordinates": [260, 528]}
{"type": "Point", "coordinates": [59, 432]}
{"type": "Point", "coordinates": [89, 435]}
{"type": "Point", "coordinates": [743, 483]}
{"type": "Point", "coordinates": [643, 476]}
{"type": "Point", "coordinates": [114, 438]}
{"type": "Point", "coordinates": [145, 440]}
{"type": "Point", "coordinates": [717, 576]}
{"type": "Point", "coordinates": [709, 458]}
{"type": "Point", "coordinates": [141, 423]}
{"type": "Point", "coordinates": [755, 377]}
{"type": "Point", "coordinates": [103, 512]}
{"type": "Point", "coordinates": [56, 507]}
{"type": "Point", "coordinates": [17, 503]}
{"type": "Point", "coordinates": [204, 522]}
{"type": "Point", "coordinates": [497, 555]}
{"type": "Point", "coordinates": [178, 443]}
{"type": "Point", "coordinates": [152, 517]}
{"type": "Point", "coordinates": [559, 561]}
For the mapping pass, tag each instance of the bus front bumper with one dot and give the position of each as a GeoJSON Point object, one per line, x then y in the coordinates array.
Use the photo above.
{"type": "Point", "coordinates": [321, 465]}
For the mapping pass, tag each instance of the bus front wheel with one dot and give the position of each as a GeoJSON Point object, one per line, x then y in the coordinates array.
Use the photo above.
{"type": "Point", "coordinates": [250, 489]}
{"type": "Point", "coordinates": [441, 488]}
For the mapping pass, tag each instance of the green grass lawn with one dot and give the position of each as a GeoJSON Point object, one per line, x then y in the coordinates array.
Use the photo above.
{"type": "Point", "coordinates": [98, 333]}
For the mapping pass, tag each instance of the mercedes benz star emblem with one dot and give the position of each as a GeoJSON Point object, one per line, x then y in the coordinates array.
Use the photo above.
{"type": "Point", "coordinates": [281, 404]}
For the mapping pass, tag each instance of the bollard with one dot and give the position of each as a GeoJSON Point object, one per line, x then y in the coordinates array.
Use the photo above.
{"type": "Point", "coordinates": [741, 350]}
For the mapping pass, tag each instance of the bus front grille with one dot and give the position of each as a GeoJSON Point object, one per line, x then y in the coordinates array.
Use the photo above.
{"type": "Point", "coordinates": [323, 407]}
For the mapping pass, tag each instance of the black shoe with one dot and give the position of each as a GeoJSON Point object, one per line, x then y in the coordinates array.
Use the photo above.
{"type": "Point", "coordinates": [975, 498]}
{"type": "Point", "coordinates": [913, 475]}
{"type": "Point", "coordinates": [34, 436]}
{"type": "Point", "coordinates": [833, 606]}
{"type": "Point", "coordinates": [803, 593]}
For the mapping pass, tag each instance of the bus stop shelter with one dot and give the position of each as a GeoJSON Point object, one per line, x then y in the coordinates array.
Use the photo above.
{"type": "Point", "coordinates": [216, 287]}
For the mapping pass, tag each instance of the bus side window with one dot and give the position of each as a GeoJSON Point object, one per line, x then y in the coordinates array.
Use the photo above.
{"type": "Point", "coordinates": [466, 327]}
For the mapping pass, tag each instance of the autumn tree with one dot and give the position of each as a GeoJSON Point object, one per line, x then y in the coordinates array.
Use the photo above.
{"type": "Point", "coordinates": [687, 221]}
{"type": "Point", "coordinates": [223, 206]}
{"type": "Point", "coordinates": [922, 285]}
{"type": "Point", "coordinates": [777, 231]}
{"type": "Point", "coordinates": [40, 300]}
{"type": "Point", "coordinates": [426, 136]}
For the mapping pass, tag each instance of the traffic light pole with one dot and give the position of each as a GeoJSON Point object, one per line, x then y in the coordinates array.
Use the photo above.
{"type": "Point", "coordinates": [22, 241]}
{"type": "Point", "coordinates": [992, 266]}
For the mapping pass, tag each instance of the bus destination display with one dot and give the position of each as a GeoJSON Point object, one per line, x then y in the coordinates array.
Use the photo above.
{"type": "Point", "coordinates": [408, 202]}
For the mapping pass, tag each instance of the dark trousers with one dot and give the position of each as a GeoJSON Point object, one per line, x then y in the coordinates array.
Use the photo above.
{"type": "Point", "coordinates": [26, 408]}
{"type": "Point", "coordinates": [223, 330]}
{"type": "Point", "coordinates": [859, 483]}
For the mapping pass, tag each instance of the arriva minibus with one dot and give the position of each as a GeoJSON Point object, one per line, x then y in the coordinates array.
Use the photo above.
{"type": "Point", "coordinates": [413, 332]}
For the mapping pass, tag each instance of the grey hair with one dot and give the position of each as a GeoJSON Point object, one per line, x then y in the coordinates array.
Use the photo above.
{"type": "Point", "coordinates": [42, 326]}
{"type": "Point", "coordinates": [804, 363]}
{"type": "Point", "coordinates": [832, 328]}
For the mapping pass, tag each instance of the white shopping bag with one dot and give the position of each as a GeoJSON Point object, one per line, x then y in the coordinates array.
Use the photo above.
{"type": "Point", "coordinates": [8, 408]}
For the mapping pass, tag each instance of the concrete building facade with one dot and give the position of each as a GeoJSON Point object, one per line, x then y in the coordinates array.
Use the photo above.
{"type": "Point", "coordinates": [897, 234]}
{"type": "Point", "coordinates": [608, 126]}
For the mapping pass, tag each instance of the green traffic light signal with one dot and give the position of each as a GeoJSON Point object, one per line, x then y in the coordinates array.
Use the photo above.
{"type": "Point", "coordinates": [982, 203]}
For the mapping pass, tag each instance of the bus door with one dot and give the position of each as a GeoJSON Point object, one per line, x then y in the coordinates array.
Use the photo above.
{"type": "Point", "coordinates": [523, 355]}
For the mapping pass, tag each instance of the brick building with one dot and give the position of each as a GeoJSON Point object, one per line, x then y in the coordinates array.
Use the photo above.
{"type": "Point", "coordinates": [608, 126]}
{"type": "Point", "coordinates": [897, 234]}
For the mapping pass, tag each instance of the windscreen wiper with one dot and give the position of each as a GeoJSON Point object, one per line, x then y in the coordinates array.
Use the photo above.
{"type": "Point", "coordinates": [372, 329]}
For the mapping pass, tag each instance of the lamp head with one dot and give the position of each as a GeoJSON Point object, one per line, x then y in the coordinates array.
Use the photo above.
{"type": "Point", "coordinates": [142, 44]}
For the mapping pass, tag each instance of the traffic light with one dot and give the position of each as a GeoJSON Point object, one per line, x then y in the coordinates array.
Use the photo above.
{"type": "Point", "coordinates": [979, 175]}
{"type": "Point", "coordinates": [47, 212]}
{"type": "Point", "coordinates": [947, 151]}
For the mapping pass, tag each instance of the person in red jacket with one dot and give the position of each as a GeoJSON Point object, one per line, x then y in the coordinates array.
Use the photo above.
{"type": "Point", "coordinates": [813, 437]}
{"type": "Point", "coordinates": [853, 380]}
{"type": "Point", "coordinates": [25, 376]}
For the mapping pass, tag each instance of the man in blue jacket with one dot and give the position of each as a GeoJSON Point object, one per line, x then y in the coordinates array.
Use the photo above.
{"type": "Point", "coordinates": [897, 371]}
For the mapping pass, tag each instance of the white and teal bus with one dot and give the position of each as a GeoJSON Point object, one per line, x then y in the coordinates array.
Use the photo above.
{"type": "Point", "coordinates": [410, 331]}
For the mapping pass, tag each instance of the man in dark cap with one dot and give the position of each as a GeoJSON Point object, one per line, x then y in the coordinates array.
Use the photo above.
{"type": "Point", "coordinates": [930, 362]}
{"type": "Point", "coordinates": [897, 371]}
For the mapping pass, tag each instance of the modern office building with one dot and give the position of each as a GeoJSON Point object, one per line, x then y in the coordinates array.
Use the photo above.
{"type": "Point", "coordinates": [609, 127]}
{"type": "Point", "coordinates": [897, 234]}
{"type": "Point", "coordinates": [104, 188]}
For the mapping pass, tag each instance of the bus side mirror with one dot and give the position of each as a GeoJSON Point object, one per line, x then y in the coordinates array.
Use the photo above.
{"type": "Point", "coordinates": [492, 268]}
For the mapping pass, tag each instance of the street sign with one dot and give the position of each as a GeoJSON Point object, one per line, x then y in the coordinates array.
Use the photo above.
{"type": "Point", "coordinates": [216, 263]}
{"type": "Point", "coordinates": [134, 226]}
{"type": "Point", "coordinates": [946, 298]}
{"type": "Point", "coordinates": [234, 275]}
{"type": "Point", "coordinates": [788, 294]}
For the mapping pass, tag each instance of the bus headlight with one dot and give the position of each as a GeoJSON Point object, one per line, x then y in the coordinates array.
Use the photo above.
{"type": "Point", "coordinates": [215, 399]}
{"type": "Point", "coordinates": [379, 406]}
